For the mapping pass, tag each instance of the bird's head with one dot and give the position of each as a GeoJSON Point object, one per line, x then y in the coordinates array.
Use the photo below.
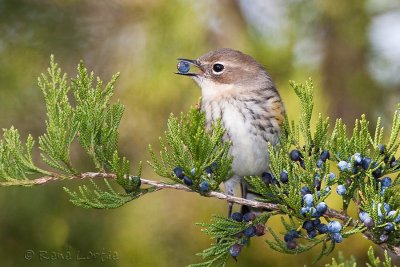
{"type": "Point", "coordinates": [225, 72]}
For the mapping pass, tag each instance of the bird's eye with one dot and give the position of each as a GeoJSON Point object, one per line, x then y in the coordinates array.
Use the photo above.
{"type": "Point", "coordinates": [218, 68]}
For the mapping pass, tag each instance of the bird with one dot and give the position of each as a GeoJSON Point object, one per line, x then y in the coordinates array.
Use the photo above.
{"type": "Point", "coordinates": [238, 90]}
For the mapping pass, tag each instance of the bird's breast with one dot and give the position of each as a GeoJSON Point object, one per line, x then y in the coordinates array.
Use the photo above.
{"type": "Point", "coordinates": [248, 130]}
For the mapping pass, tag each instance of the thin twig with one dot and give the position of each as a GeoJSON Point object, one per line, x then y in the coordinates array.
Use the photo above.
{"type": "Point", "coordinates": [330, 213]}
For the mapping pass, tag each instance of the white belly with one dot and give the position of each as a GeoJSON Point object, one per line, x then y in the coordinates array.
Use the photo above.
{"type": "Point", "coordinates": [250, 152]}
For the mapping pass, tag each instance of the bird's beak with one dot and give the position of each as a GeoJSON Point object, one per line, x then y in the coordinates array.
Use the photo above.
{"type": "Point", "coordinates": [191, 62]}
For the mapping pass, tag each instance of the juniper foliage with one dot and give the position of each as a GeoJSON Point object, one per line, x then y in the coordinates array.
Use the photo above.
{"type": "Point", "coordinates": [16, 158]}
{"type": "Point", "coordinates": [198, 151]}
{"type": "Point", "coordinates": [93, 121]}
{"type": "Point", "coordinates": [363, 184]}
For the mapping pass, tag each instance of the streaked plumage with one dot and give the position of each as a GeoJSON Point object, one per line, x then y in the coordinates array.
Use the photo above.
{"type": "Point", "coordinates": [251, 110]}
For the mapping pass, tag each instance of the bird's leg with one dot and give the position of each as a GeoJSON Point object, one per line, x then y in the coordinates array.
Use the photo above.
{"type": "Point", "coordinates": [230, 190]}
{"type": "Point", "coordinates": [230, 207]}
{"type": "Point", "coordinates": [248, 194]}
{"type": "Point", "coordinates": [243, 188]}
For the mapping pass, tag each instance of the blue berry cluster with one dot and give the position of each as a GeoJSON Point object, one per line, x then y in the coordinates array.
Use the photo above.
{"type": "Point", "coordinates": [309, 208]}
{"type": "Point", "coordinates": [269, 179]}
{"type": "Point", "coordinates": [334, 228]}
{"type": "Point", "coordinates": [387, 217]}
{"type": "Point", "coordinates": [315, 227]}
{"type": "Point", "coordinates": [178, 171]}
{"type": "Point", "coordinates": [204, 186]}
{"type": "Point", "coordinates": [290, 237]}
{"type": "Point", "coordinates": [366, 219]}
{"type": "Point", "coordinates": [295, 155]}
{"type": "Point", "coordinates": [366, 163]}
{"type": "Point", "coordinates": [251, 230]}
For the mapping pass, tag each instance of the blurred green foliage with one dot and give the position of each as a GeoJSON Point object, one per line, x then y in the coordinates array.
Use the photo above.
{"type": "Point", "coordinates": [142, 39]}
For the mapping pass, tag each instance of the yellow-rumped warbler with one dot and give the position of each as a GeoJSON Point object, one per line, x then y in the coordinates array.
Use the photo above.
{"type": "Point", "coordinates": [238, 90]}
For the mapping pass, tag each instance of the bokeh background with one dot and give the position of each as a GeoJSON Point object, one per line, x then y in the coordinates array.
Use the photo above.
{"type": "Point", "coordinates": [350, 48]}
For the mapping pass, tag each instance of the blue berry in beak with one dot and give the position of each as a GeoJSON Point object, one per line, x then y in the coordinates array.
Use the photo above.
{"type": "Point", "coordinates": [183, 66]}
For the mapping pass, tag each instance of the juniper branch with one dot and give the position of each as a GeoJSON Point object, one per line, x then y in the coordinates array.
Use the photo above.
{"type": "Point", "coordinates": [331, 213]}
